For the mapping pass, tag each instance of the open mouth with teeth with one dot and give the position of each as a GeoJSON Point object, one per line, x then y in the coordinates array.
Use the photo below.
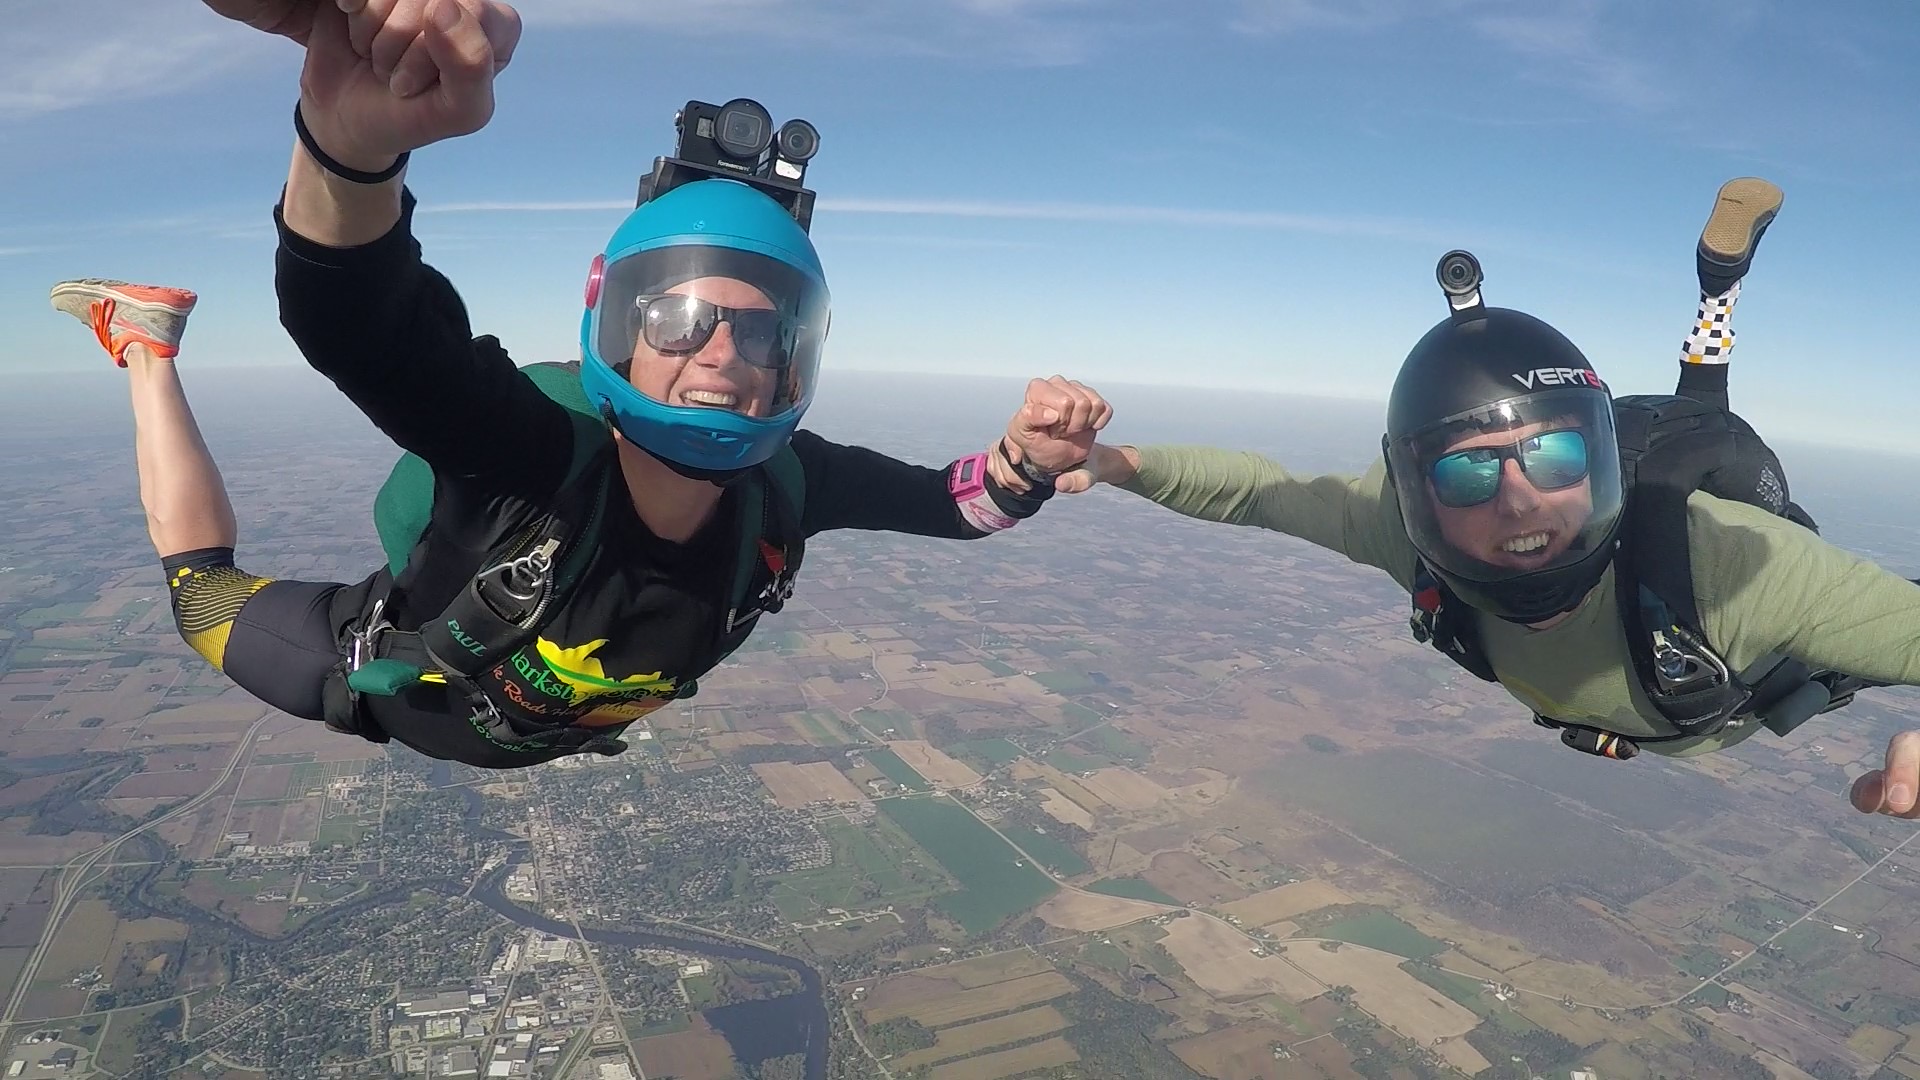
{"type": "Point", "coordinates": [1528, 547]}
{"type": "Point", "coordinates": [711, 399]}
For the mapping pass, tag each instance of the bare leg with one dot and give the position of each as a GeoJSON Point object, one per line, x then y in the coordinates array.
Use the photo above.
{"type": "Point", "coordinates": [180, 486]}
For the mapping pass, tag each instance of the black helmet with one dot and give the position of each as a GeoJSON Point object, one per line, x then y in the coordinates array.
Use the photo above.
{"type": "Point", "coordinates": [1501, 450]}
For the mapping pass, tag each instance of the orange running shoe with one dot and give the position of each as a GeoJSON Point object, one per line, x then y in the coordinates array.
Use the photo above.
{"type": "Point", "coordinates": [122, 313]}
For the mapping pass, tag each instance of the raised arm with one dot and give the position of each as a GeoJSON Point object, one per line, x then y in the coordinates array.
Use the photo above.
{"type": "Point", "coordinates": [356, 298]}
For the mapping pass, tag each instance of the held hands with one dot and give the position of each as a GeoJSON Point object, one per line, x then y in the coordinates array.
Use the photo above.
{"type": "Point", "coordinates": [1053, 429]}
{"type": "Point", "coordinates": [384, 77]}
{"type": "Point", "coordinates": [1895, 789]}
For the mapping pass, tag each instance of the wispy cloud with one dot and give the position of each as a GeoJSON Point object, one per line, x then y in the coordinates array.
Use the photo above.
{"type": "Point", "coordinates": [1028, 32]}
{"type": "Point", "coordinates": [1060, 213]}
{"type": "Point", "coordinates": [65, 54]}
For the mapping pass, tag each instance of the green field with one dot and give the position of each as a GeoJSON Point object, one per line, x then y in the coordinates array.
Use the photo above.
{"type": "Point", "coordinates": [702, 993]}
{"type": "Point", "coordinates": [1379, 930]}
{"type": "Point", "coordinates": [1064, 682]}
{"type": "Point", "coordinates": [1699, 962]}
{"type": "Point", "coordinates": [52, 616]}
{"type": "Point", "coordinates": [343, 831]}
{"type": "Point", "coordinates": [1113, 741]}
{"type": "Point", "coordinates": [1132, 888]}
{"type": "Point", "coordinates": [996, 882]}
{"type": "Point", "coordinates": [1106, 956]}
{"type": "Point", "coordinates": [998, 668]}
{"type": "Point", "coordinates": [1079, 715]}
{"type": "Point", "coordinates": [877, 721]}
{"type": "Point", "coordinates": [639, 1027]}
{"type": "Point", "coordinates": [1068, 761]}
{"type": "Point", "coordinates": [872, 867]}
{"type": "Point", "coordinates": [282, 759]}
{"type": "Point", "coordinates": [991, 751]}
{"type": "Point", "coordinates": [824, 727]}
{"type": "Point", "coordinates": [898, 771]}
{"type": "Point", "coordinates": [1054, 853]}
{"type": "Point", "coordinates": [1461, 989]}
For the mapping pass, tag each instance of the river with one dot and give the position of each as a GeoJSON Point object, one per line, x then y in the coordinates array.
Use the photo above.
{"type": "Point", "coordinates": [755, 1030]}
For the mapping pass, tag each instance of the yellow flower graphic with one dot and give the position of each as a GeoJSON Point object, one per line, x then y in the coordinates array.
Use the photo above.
{"type": "Point", "coordinates": [580, 670]}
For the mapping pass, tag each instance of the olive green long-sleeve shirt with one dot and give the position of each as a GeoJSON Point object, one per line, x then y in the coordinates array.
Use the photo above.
{"type": "Point", "coordinates": [1762, 584]}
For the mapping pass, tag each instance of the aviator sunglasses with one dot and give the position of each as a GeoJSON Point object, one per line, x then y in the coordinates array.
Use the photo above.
{"type": "Point", "coordinates": [1551, 460]}
{"type": "Point", "coordinates": [676, 325]}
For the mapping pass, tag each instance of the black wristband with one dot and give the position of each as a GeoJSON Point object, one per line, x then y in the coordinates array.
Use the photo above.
{"type": "Point", "coordinates": [1025, 467]}
{"type": "Point", "coordinates": [325, 162]}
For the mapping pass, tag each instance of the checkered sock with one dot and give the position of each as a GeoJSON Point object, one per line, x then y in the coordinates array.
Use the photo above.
{"type": "Point", "coordinates": [1711, 339]}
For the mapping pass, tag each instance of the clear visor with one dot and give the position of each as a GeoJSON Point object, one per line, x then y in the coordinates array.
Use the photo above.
{"type": "Point", "coordinates": [711, 327]}
{"type": "Point", "coordinates": [1521, 486]}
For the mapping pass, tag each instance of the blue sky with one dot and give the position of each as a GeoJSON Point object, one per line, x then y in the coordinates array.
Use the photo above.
{"type": "Point", "coordinates": [1241, 194]}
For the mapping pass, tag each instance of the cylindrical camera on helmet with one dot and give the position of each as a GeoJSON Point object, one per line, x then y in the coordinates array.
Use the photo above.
{"type": "Point", "coordinates": [1459, 273]}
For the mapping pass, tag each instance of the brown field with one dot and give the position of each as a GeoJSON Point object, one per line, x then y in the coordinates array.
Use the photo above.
{"type": "Point", "coordinates": [80, 944]}
{"type": "Point", "coordinates": [1399, 1000]}
{"type": "Point", "coordinates": [261, 823]}
{"type": "Point", "coordinates": [1455, 961]}
{"type": "Point", "coordinates": [1586, 983]}
{"type": "Point", "coordinates": [45, 850]}
{"type": "Point", "coordinates": [698, 1053]}
{"type": "Point", "coordinates": [265, 782]}
{"type": "Point", "coordinates": [1241, 1052]}
{"type": "Point", "coordinates": [931, 762]}
{"type": "Point", "coordinates": [1874, 1042]}
{"type": "Point", "coordinates": [293, 735]}
{"type": "Point", "coordinates": [300, 820]}
{"type": "Point", "coordinates": [980, 1035]}
{"type": "Point", "coordinates": [1330, 1057]}
{"type": "Point", "coordinates": [1055, 1051]}
{"type": "Point", "coordinates": [1125, 788]}
{"type": "Point", "coordinates": [1905, 1067]}
{"type": "Point", "coordinates": [136, 932]}
{"type": "Point", "coordinates": [1267, 908]}
{"type": "Point", "coordinates": [795, 786]}
{"type": "Point", "coordinates": [1785, 1041]}
{"type": "Point", "coordinates": [1070, 910]}
{"type": "Point", "coordinates": [967, 1004]}
{"type": "Point", "coordinates": [734, 740]}
{"type": "Point", "coordinates": [169, 784]}
{"type": "Point", "coordinates": [1216, 958]}
{"type": "Point", "coordinates": [1063, 809]}
{"type": "Point", "coordinates": [1073, 789]}
{"type": "Point", "coordinates": [1189, 880]}
{"type": "Point", "coordinates": [987, 970]}
{"type": "Point", "coordinates": [1024, 769]}
{"type": "Point", "coordinates": [25, 791]}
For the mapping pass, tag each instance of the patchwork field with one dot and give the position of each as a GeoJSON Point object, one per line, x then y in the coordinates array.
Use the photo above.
{"type": "Point", "coordinates": [698, 1053]}
{"type": "Point", "coordinates": [1241, 1052]}
{"type": "Point", "coordinates": [796, 786]}
{"type": "Point", "coordinates": [1267, 908]}
{"type": "Point", "coordinates": [1063, 809]}
{"type": "Point", "coordinates": [953, 1042]}
{"type": "Point", "coordinates": [1023, 1059]}
{"type": "Point", "coordinates": [945, 1009]}
{"type": "Point", "coordinates": [929, 761]}
{"type": "Point", "coordinates": [1399, 1000]}
{"type": "Point", "coordinates": [1072, 910]}
{"type": "Point", "coordinates": [996, 881]}
{"type": "Point", "coordinates": [1217, 958]}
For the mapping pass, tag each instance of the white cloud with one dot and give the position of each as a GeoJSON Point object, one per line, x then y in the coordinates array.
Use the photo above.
{"type": "Point", "coordinates": [1062, 213]}
{"type": "Point", "coordinates": [65, 54]}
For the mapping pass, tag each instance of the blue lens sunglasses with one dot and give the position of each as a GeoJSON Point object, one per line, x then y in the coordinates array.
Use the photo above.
{"type": "Point", "coordinates": [1551, 460]}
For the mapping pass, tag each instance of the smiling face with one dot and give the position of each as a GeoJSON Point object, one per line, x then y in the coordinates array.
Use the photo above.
{"type": "Point", "coordinates": [715, 376]}
{"type": "Point", "coordinates": [1522, 527]}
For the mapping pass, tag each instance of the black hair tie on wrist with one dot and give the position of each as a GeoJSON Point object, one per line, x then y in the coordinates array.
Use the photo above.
{"type": "Point", "coordinates": [325, 162]}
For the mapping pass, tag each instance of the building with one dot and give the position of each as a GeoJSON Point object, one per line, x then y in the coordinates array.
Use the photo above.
{"type": "Point", "coordinates": [418, 1005]}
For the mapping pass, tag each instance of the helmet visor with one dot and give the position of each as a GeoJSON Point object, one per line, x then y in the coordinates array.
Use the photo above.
{"type": "Point", "coordinates": [695, 326]}
{"type": "Point", "coordinates": [1524, 485]}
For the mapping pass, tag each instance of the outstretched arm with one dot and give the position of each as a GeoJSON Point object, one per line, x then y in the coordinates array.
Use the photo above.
{"type": "Point", "coordinates": [1355, 516]}
{"type": "Point", "coordinates": [849, 487]}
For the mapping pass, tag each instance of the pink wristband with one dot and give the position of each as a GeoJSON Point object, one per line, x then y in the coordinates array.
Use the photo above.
{"type": "Point", "coordinates": [967, 483]}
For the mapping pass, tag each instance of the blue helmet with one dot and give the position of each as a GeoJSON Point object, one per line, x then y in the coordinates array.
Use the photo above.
{"type": "Point", "coordinates": [654, 313]}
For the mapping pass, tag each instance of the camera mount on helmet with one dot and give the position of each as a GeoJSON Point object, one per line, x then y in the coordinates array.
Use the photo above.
{"type": "Point", "coordinates": [1460, 277]}
{"type": "Point", "coordinates": [737, 141]}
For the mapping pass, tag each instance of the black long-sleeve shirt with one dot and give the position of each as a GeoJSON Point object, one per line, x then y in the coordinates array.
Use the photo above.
{"type": "Point", "coordinates": [393, 335]}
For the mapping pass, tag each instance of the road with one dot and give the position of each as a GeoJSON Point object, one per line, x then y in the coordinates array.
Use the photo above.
{"type": "Point", "coordinates": [73, 876]}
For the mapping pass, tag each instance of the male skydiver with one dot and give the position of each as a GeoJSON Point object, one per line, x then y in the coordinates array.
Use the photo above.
{"type": "Point", "coordinates": [1500, 503]}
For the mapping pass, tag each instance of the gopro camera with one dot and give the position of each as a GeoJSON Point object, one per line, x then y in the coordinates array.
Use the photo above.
{"type": "Point", "coordinates": [738, 141]}
{"type": "Point", "coordinates": [1460, 277]}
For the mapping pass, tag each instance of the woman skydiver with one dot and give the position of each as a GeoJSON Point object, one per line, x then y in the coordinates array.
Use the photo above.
{"type": "Point", "coordinates": [582, 549]}
{"type": "Point", "coordinates": [1500, 503]}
